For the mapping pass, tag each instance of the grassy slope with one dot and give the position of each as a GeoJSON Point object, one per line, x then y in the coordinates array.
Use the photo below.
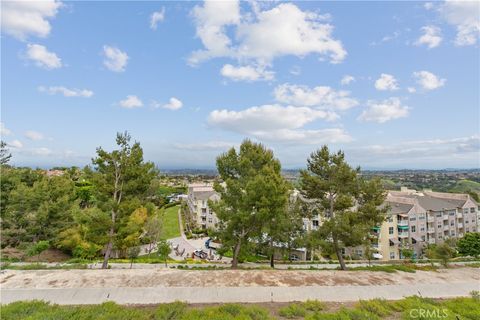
{"type": "Point", "coordinates": [466, 185]}
{"type": "Point", "coordinates": [171, 227]}
{"type": "Point", "coordinates": [449, 309]}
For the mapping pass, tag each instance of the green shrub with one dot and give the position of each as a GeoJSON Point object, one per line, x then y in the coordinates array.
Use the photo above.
{"type": "Point", "coordinates": [314, 305]}
{"type": "Point", "coordinates": [379, 307]}
{"type": "Point", "coordinates": [294, 310]}
{"type": "Point", "coordinates": [170, 311]}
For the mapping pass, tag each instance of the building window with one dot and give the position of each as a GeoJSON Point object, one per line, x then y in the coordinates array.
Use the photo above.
{"type": "Point", "coordinates": [413, 219]}
{"type": "Point", "coordinates": [465, 210]}
{"type": "Point", "coordinates": [315, 223]}
{"type": "Point", "coordinates": [210, 220]}
{"type": "Point", "coordinates": [414, 229]}
{"type": "Point", "coordinates": [422, 229]}
{"type": "Point", "coordinates": [439, 226]}
{"type": "Point", "coordinates": [466, 221]}
{"type": "Point", "coordinates": [440, 236]}
{"type": "Point", "coordinates": [452, 233]}
{"type": "Point", "coordinates": [472, 210]}
{"type": "Point", "coordinates": [392, 255]}
{"type": "Point", "coordinates": [452, 213]}
{"type": "Point", "coordinates": [452, 223]}
{"type": "Point", "coordinates": [467, 230]}
{"type": "Point", "coordinates": [423, 238]}
{"type": "Point", "coordinates": [390, 230]}
{"type": "Point", "coordinates": [421, 217]}
{"type": "Point", "coordinates": [439, 214]}
{"type": "Point", "coordinates": [390, 219]}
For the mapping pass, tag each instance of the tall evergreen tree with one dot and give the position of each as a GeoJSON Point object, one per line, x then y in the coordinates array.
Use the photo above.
{"type": "Point", "coordinates": [350, 205]}
{"type": "Point", "coordinates": [121, 181]}
{"type": "Point", "coordinates": [5, 156]}
{"type": "Point", "coordinates": [253, 194]}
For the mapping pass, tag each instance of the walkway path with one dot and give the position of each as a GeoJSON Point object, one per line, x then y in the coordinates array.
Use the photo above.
{"type": "Point", "coordinates": [159, 286]}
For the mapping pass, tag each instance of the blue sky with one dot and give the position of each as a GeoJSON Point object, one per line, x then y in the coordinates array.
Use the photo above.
{"type": "Point", "coordinates": [394, 84]}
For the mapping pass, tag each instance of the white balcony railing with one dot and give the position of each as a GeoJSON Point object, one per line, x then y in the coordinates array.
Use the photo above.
{"type": "Point", "coordinates": [402, 223]}
{"type": "Point", "coordinates": [430, 219]}
{"type": "Point", "coordinates": [460, 225]}
{"type": "Point", "coordinates": [403, 234]}
{"type": "Point", "coordinates": [431, 230]}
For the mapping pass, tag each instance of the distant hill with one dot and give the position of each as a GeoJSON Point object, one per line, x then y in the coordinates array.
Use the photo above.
{"type": "Point", "coordinates": [465, 185]}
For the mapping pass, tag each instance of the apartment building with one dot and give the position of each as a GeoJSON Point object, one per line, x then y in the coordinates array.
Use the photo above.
{"type": "Point", "coordinates": [416, 219]}
{"type": "Point", "coordinates": [197, 199]}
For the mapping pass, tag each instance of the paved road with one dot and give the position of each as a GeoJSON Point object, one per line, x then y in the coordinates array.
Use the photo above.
{"type": "Point", "coordinates": [153, 295]}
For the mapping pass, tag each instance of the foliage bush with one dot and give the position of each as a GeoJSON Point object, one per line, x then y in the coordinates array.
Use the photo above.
{"type": "Point", "coordinates": [294, 310]}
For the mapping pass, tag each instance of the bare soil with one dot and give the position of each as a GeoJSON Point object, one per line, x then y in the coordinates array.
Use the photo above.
{"type": "Point", "coordinates": [224, 278]}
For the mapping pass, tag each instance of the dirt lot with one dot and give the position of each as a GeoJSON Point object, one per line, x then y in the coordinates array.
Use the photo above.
{"type": "Point", "coordinates": [10, 279]}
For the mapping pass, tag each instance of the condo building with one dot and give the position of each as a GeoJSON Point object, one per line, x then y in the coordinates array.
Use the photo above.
{"type": "Point", "coordinates": [198, 196]}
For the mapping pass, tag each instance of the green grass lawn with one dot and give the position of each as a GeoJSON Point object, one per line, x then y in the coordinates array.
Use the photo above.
{"type": "Point", "coordinates": [407, 308]}
{"type": "Point", "coordinates": [171, 228]}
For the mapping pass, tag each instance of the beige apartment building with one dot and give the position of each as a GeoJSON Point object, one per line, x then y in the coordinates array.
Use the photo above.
{"type": "Point", "coordinates": [197, 200]}
{"type": "Point", "coordinates": [418, 218]}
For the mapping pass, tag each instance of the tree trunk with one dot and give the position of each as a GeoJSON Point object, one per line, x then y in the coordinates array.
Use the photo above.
{"type": "Point", "coordinates": [338, 251]}
{"type": "Point", "coordinates": [272, 253]}
{"type": "Point", "coordinates": [108, 250]}
{"type": "Point", "coordinates": [236, 252]}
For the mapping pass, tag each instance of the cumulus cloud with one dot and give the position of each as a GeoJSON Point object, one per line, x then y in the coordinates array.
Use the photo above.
{"type": "Point", "coordinates": [463, 15]}
{"type": "Point", "coordinates": [173, 104]}
{"type": "Point", "coordinates": [131, 102]}
{"type": "Point", "coordinates": [384, 111]}
{"type": "Point", "coordinates": [284, 124]}
{"type": "Point", "coordinates": [246, 73]}
{"type": "Point", "coordinates": [322, 97]}
{"type": "Point", "coordinates": [4, 131]}
{"type": "Point", "coordinates": [34, 135]}
{"type": "Point", "coordinates": [347, 79]}
{"type": "Point", "coordinates": [66, 92]}
{"type": "Point", "coordinates": [386, 82]}
{"type": "Point", "coordinates": [42, 57]}
{"type": "Point", "coordinates": [156, 17]}
{"type": "Point", "coordinates": [262, 35]}
{"type": "Point", "coordinates": [411, 90]}
{"type": "Point", "coordinates": [428, 80]}
{"type": "Point", "coordinates": [16, 144]}
{"type": "Point", "coordinates": [115, 59]}
{"type": "Point", "coordinates": [21, 19]}
{"type": "Point", "coordinates": [431, 37]}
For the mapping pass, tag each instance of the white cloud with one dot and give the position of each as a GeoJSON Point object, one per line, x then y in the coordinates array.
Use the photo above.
{"type": "Point", "coordinates": [173, 104]}
{"type": "Point", "coordinates": [384, 111]}
{"type": "Point", "coordinates": [15, 144]}
{"type": "Point", "coordinates": [262, 35]}
{"type": "Point", "coordinates": [4, 131]}
{"type": "Point", "coordinates": [157, 17]}
{"type": "Point", "coordinates": [428, 5]}
{"type": "Point", "coordinates": [431, 37]}
{"type": "Point", "coordinates": [66, 92]}
{"type": "Point", "coordinates": [115, 59]}
{"type": "Point", "coordinates": [246, 73]}
{"type": "Point", "coordinates": [464, 15]}
{"type": "Point", "coordinates": [21, 19]}
{"type": "Point", "coordinates": [386, 82]}
{"type": "Point", "coordinates": [347, 79]}
{"type": "Point", "coordinates": [131, 102]}
{"type": "Point", "coordinates": [411, 90]}
{"type": "Point", "coordinates": [284, 124]}
{"type": "Point", "coordinates": [322, 97]}
{"type": "Point", "coordinates": [42, 57]}
{"type": "Point", "coordinates": [42, 151]}
{"type": "Point", "coordinates": [206, 146]}
{"type": "Point", "coordinates": [442, 152]}
{"type": "Point", "coordinates": [428, 80]}
{"type": "Point", "coordinates": [34, 135]}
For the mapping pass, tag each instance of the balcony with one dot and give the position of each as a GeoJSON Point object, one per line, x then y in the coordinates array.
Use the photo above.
{"type": "Point", "coordinates": [446, 227]}
{"type": "Point", "coordinates": [431, 241]}
{"type": "Point", "coordinates": [460, 225]}
{"type": "Point", "coordinates": [431, 230]}
{"type": "Point", "coordinates": [430, 219]}
{"type": "Point", "coordinates": [403, 234]}
{"type": "Point", "coordinates": [402, 223]}
{"type": "Point", "coordinates": [445, 217]}
{"type": "Point", "coordinates": [459, 215]}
